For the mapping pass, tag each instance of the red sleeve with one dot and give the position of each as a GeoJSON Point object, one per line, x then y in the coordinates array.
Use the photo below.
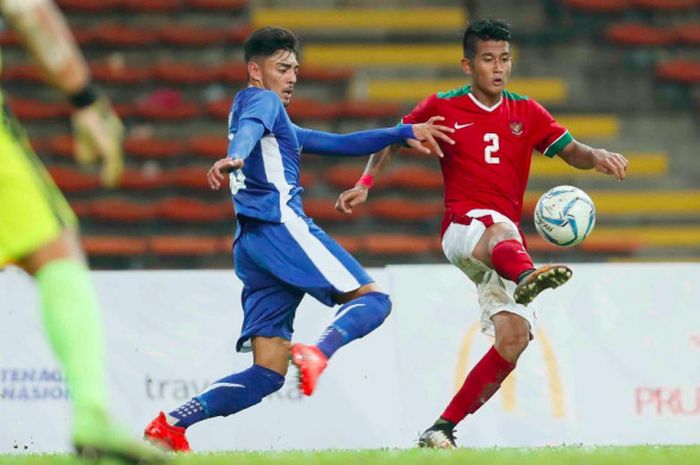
{"type": "Point", "coordinates": [549, 137]}
{"type": "Point", "coordinates": [422, 112]}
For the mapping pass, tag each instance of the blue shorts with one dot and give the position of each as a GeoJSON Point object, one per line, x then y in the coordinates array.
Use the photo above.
{"type": "Point", "coordinates": [280, 262]}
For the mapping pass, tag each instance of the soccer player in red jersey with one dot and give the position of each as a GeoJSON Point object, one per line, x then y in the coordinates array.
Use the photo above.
{"type": "Point", "coordinates": [485, 175]}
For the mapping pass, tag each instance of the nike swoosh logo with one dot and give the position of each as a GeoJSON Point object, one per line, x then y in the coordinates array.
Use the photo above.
{"type": "Point", "coordinates": [460, 126]}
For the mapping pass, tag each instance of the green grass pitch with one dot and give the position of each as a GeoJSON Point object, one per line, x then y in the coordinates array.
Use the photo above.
{"type": "Point", "coordinates": [565, 455]}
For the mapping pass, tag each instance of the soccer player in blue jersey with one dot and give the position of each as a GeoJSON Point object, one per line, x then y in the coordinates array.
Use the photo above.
{"type": "Point", "coordinates": [280, 254]}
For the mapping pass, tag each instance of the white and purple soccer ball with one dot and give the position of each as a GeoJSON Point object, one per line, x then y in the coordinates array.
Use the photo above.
{"type": "Point", "coordinates": [564, 216]}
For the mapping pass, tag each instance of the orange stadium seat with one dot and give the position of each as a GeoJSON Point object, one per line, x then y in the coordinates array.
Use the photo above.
{"type": "Point", "coordinates": [122, 211]}
{"type": "Point", "coordinates": [143, 179]}
{"type": "Point", "coordinates": [26, 72]}
{"type": "Point", "coordinates": [311, 109]}
{"type": "Point", "coordinates": [61, 145]}
{"type": "Point", "coordinates": [153, 147]}
{"type": "Point", "coordinates": [634, 34]}
{"type": "Point", "coordinates": [152, 6]}
{"type": "Point", "coordinates": [357, 109]}
{"type": "Point", "coordinates": [689, 34]}
{"type": "Point", "coordinates": [314, 73]}
{"type": "Point", "coordinates": [33, 110]}
{"type": "Point", "coordinates": [238, 35]}
{"type": "Point", "coordinates": [412, 177]}
{"type": "Point", "coordinates": [189, 177]}
{"type": "Point", "coordinates": [114, 246]}
{"type": "Point", "coordinates": [89, 6]}
{"type": "Point", "coordinates": [400, 244]}
{"type": "Point", "coordinates": [225, 244]}
{"type": "Point", "coordinates": [219, 109]}
{"type": "Point", "coordinates": [344, 176]}
{"type": "Point", "coordinates": [113, 73]}
{"type": "Point", "coordinates": [184, 245]}
{"type": "Point", "coordinates": [72, 180]}
{"type": "Point", "coordinates": [212, 147]}
{"type": "Point", "coordinates": [352, 244]}
{"type": "Point", "coordinates": [404, 209]}
{"type": "Point", "coordinates": [307, 178]}
{"type": "Point", "coordinates": [667, 4]}
{"type": "Point", "coordinates": [227, 5]}
{"type": "Point", "coordinates": [121, 35]}
{"type": "Point", "coordinates": [188, 35]}
{"type": "Point", "coordinates": [323, 209]}
{"type": "Point", "coordinates": [234, 71]}
{"type": "Point", "coordinates": [679, 71]}
{"type": "Point", "coordinates": [188, 210]}
{"type": "Point", "coordinates": [165, 104]}
{"type": "Point", "coordinates": [601, 6]}
{"type": "Point", "coordinates": [184, 73]}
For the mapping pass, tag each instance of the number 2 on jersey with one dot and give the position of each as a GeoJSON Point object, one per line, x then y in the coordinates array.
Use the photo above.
{"type": "Point", "coordinates": [492, 148]}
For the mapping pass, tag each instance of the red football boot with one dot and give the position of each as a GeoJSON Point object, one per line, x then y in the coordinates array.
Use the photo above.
{"type": "Point", "coordinates": [166, 436]}
{"type": "Point", "coordinates": [311, 362]}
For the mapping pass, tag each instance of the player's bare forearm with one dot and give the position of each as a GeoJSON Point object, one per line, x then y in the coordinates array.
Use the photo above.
{"type": "Point", "coordinates": [43, 29]}
{"type": "Point", "coordinates": [378, 161]}
{"type": "Point", "coordinates": [584, 157]}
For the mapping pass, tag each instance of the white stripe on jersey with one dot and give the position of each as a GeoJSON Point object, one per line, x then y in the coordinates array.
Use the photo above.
{"type": "Point", "coordinates": [555, 141]}
{"type": "Point", "coordinates": [330, 267]}
{"type": "Point", "coordinates": [274, 172]}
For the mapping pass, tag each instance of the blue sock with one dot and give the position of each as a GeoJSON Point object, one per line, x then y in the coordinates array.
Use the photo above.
{"type": "Point", "coordinates": [229, 395]}
{"type": "Point", "coordinates": [354, 320]}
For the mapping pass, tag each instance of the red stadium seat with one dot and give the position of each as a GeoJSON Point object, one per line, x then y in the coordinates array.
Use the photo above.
{"type": "Point", "coordinates": [226, 5]}
{"type": "Point", "coordinates": [72, 180]}
{"type": "Point", "coordinates": [311, 109]}
{"type": "Point", "coordinates": [143, 179]}
{"type": "Point", "coordinates": [61, 146]}
{"type": "Point", "coordinates": [669, 5]}
{"type": "Point", "coordinates": [233, 72]}
{"type": "Point", "coordinates": [122, 211]}
{"type": "Point", "coordinates": [192, 36]}
{"type": "Point", "coordinates": [153, 148]}
{"type": "Point", "coordinates": [639, 35]}
{"type": "Point", "coordinates": [121, 35]}
{"type": "Point", "coordinates": [89, 6]}
{"type": "Point", "coordinates": [153, 6]}
{"type": "Point", "coordinates": [400, 244]}
{"type": "Point", "coordinates": [8, 37]}
{"type": "Point", "coordinates": [119, 73]}
{"type": "Point", "coordinates": [126, 110]}
{"type": "Point", "coordinates": [212, 147]}
{"type": "Point", "coordinates": [404, 210]}
{"type": "Point", "coordinates": [219, 109]}
{"type": "Point", "coordinates": [184, 245]}
{"type": "Point", "coordinates": [325, 74]}
{"type": "Point", "coordinates": [413, 177]}
{"type": "Point", "coordinates": [26, 73]}
{"type": "Point", "coordinates": [352, 244]}
{"type": "Point", "coordinates": [114, 246]}
{"type": "Point", "coordinates": [188, 210]}
{"type": "Point", "coordinates": [689, 34]}
{"type": "Point", "coordinates": [355, 109]}
{"type": "Point", "coordinates": [238, 35]}
{"type": "Point", "coordinates": [34, 110]}
{"type": "Point", "coordinates": [184, 73]}
{"type": "Point", "coordinates": [324, 210]}
{"type": "Point", "coordinates": [190, 177]}
{"type": "Point", "coordinates": [225, 244]}
{"type": "Point", "coordinates": [307, 178]}
{"type": "Point", "coordinates": [166, 104]}
{"type": "Point", "coordinates": [601, 6]}
{"type": "Point", "coordinates": [679, 71]}
{"type": "Point", "coordinates": [343, 176]}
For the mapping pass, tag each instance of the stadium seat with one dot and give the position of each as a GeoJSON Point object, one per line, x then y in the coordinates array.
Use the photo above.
{"type": "Point", "coordinates": [323, 209]}
{"type": "Point", "coordinates": [26, 73]}
{"type": "Point", "coordinates": [184, 73]}
{"type": "Point", "coordinates": [689, 34]}
{"type": "Point", "coordinates": [166, 104]}
{"type": "Point", "coordinates": [226, 5]}
{"type": "Point", "coordinates": [233, 72]}
{"type": "Point", "coordinates": [219, 109]}
{"type": "Point", "coordinates": [187, 35]}
{"type": "Point", "coordinates": [384, 56]}
{"type": "Point", "coordinates": [238, 35]}
{"type": "Point", "coordinates": [34, 110]}
{"type": "Point", "coordinates": [591, 126]}
{"type": "Point", "coordinates": [89, 6]}
{"type": "Point", "coordinates": [357, 109]}
{"type": "Point", "coordinates": [302, 108]}
{"type": "Point", "coordinates": [412, 178]}
{"type": "Point", "coordinates": [189, 177]}
{"type": "Point", "coordinates": [679, 71]}
{"type": "Point", "coordinates": [184, 245]}
{"type": "Point", "coordinates": [352, 244]}
{"type": "Point", "coordinates": [313, 73]}
{"type": "Point", "coordinates": [344, 176]}
{"type": "Point", "coordinates": [645, 165]}
{"type": "Point", "coordinates": [669, 5]}
{"type": "Point", "coordinates": [116, 246]}
{"type": "Point", "coordinates": [121, 35]}
{"type": "Point", "coordinates": [404, 209]}
{"type": "Point", "coordinates": [601, 6]}
{"type": "Point", "coordinates": [362, 19]}
{"type": "Point", "coordinates": [9, 37]}
{"type": "Point", "coordinates": [639, 35]}
{"type": "Point", "coordinates": [153, 147]}
{"type": "Point", "coordinates": [72, 180]}
{"type": "Point", "coordinates": [122, 211]}
{"type": "Point", "coordinates": [186, 210]}
{"type": "Point", "coordinates": [143, 179]}
{"type": "Point", "coordinates": [225, 244]}
{"type": "Point", "coordinates": [113, 72]}
{"type": "Point", "coordinates": [211, 147]}
{"type": "Point", "coordinates": [152, 6]}
{"type": "Point", "coordinates": [61, 146]}
{"type": "Point", "coordinates": [400, 244]}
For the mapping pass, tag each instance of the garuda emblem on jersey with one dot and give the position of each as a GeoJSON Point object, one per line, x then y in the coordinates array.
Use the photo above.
{"type": "Point", "coordinates": [516, 127]}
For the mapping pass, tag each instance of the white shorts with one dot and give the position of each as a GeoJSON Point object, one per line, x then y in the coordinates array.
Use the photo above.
{"type": "Point", "coordinates": [495, 293]}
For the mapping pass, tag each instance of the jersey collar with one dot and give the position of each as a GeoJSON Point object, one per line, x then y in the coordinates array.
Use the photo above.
{"type": "Point", "coordinates": [481, 105]}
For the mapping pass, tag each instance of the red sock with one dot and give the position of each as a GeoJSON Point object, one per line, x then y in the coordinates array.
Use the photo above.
{"type": "Point", "coordinates": [481, 383]}
{"type": "Point", "coordinates": [510, 259]}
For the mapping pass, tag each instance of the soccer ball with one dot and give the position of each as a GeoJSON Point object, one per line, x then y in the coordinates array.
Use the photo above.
{"type": "Point", "coordinates": [564, 216]}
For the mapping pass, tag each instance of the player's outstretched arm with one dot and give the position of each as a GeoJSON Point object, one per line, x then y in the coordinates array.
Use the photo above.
{"type": "Point", "coordinates": [249, 132]}
{"type": "Point", "coordinates": [97, 128]}
{"type": "Point", "coordinates": [358, 194]}
{"type": "Point", "coordinates": [583, 157]}
{"type": "Point", "coordinates": [362, 143]}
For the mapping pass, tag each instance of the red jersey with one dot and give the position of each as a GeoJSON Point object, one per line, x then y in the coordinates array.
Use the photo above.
{"type": "Point", "coordinates": [489, 164]}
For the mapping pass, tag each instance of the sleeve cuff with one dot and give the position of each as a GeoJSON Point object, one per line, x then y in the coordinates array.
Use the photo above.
{"type": "Point", "coordinates": [557, 146]}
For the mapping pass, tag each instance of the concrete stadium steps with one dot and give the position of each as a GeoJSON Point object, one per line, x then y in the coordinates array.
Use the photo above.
{"type": "Point", "coordinates": [545, 90]}
{"type": "Point", "coordinates": [342, 21]}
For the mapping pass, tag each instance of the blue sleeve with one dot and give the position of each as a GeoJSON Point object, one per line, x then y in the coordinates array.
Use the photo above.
{"type": "Point", "coordinates": [353, 144]}
{"type": "Point", "coordinates": [263, 106]}
{"type": "Point", "coordinates": [249, 133]}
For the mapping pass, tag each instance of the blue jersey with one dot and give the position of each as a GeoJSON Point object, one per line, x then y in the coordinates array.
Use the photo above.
{"type": "Point", "coordinates": [267, 187]}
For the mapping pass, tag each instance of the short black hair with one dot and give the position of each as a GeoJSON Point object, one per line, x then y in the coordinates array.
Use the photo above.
{"type": "Point", "coordinates": [485, 29]}
{"type": "Point", "coordinates": [269, 40]}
